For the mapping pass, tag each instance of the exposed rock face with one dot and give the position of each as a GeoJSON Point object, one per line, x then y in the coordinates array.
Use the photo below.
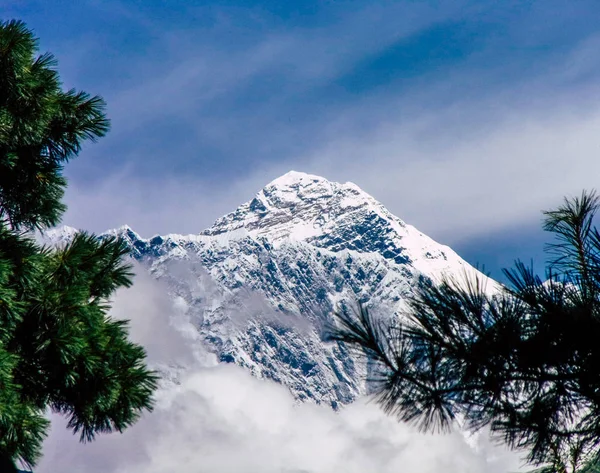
{"type": "Point", "coordinates": [261, 281]}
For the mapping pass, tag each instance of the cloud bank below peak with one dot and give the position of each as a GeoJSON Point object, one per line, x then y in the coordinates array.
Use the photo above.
{"type": "Point", "coordinates": [219, 419]}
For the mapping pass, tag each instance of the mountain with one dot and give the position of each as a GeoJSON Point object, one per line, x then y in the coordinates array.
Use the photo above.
{"type": "Point", "coordinates": [261, 281]}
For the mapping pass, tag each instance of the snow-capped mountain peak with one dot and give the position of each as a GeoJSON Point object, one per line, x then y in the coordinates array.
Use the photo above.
{"type": "Point", "coordinates": [260, 281]}
{"type": "Point", "coordinates": [333, 216]}
{"type": "Point", "coordinates": [292, 178]}
{"type": "Point", "coordinates": [58, 236]}
{"type": "Point", "coordinates": [298, 206]}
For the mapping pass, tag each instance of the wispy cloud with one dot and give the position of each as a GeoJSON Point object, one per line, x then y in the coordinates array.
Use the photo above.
{"type": "Point", "coordinates": [233, 93]}
{"type": "Point", "coordinates": [448, 175]}
{"type": "Point", "coordinates": [155, 205]}
{"type": "Point", "coordinates": [457, 184]}
{"type": "Point", "coordinates": [460, 116]}
{"type": "Point", "coordinates": [458, 149]}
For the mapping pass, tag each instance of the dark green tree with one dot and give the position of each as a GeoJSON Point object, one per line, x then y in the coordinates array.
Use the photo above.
{"type": "Point", "coordinates": [522, 359]}
{"type": "Point", "coordinates": [59, 349]}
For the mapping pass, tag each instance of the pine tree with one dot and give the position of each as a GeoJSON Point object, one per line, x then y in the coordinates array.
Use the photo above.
{"type": "Point", "coordinates": [523, 360]}
{"type": "Point", "coordinates": [58, 347]}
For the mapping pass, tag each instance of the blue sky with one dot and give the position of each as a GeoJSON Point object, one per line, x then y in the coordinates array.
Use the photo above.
{"type": "Point", "coordinates": [465, 118]}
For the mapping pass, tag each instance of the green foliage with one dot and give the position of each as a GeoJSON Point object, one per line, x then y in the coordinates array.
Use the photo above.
{"type": "Point", "coordinates": [58, 347]}
{"type": "Point", "coordinates": [523, 360]}
{"type": "Point", "coordinates": [41, 127]}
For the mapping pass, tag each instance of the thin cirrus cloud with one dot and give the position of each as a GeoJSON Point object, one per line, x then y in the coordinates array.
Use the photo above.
{"type": "Point", "coordinates": [244, 103]}
{"type": "Point", "coordinates": [449, 186]}
{"type": "Point", "coordinates": [460, 116]}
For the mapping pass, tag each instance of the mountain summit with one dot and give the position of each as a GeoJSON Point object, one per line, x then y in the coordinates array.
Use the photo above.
{"type": "Point", "coordinates": [309, 208]}
{"type": "Point", "coordinates": [260, 282]}
{"type": "Point", "coordinates": [295, 205]}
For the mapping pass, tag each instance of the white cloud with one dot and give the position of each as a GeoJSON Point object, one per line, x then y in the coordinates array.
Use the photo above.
{"type": "Point", "coordinates": [154, 205]}
{"type": "Point", "coordinates": [456, 188]}
{"type": "Point", "coordinates": [450, 183]}
{"type": "Point", "coordinates": [155, 322]}
{"type": "Point", "coordinates": [459, 154]}
{"type": "Point", "coordinates": [222, 420]}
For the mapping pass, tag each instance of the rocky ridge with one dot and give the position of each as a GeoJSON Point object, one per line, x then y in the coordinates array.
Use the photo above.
{"type": "Point", "coordinates": [261, 281]}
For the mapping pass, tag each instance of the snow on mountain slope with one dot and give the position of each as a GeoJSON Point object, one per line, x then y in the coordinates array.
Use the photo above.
{"type": "Point", "coordinates": [261, 281]}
